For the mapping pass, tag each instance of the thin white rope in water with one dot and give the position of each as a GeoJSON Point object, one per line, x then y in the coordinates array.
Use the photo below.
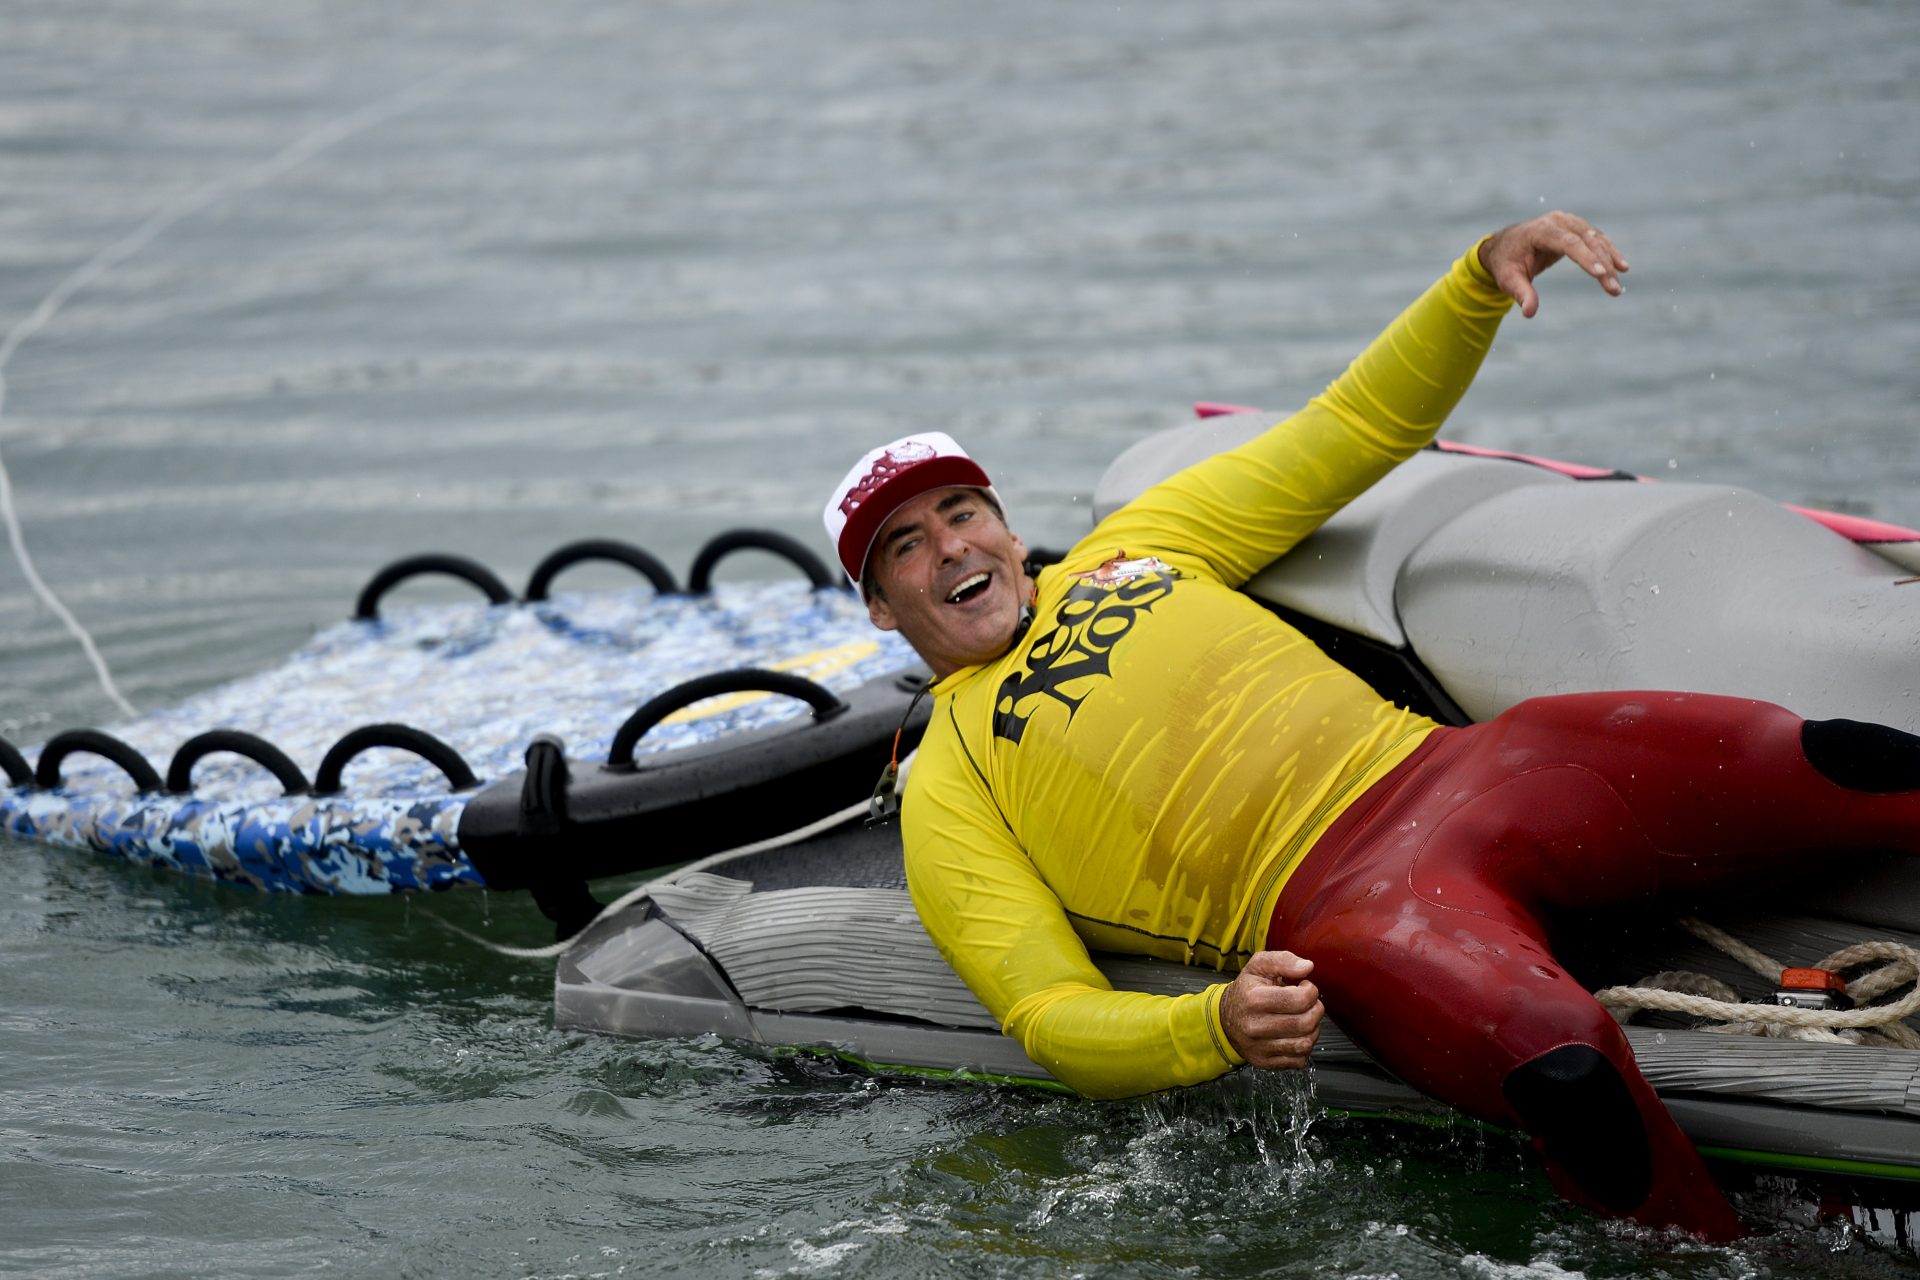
{"type": "Point", "coordinates": [632, 896]}
{"type": "Point", "coordinates": [253, 176]}
{"type": "Point", "coordinates": [54, 604]}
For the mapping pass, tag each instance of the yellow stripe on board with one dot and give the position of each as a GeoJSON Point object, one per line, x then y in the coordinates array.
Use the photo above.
{"type": "Point", "coordinates": [817, 665]}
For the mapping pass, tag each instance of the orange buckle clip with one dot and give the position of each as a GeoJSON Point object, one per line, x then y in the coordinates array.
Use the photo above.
{"type": "Point", "coordinates": [1812, 980]}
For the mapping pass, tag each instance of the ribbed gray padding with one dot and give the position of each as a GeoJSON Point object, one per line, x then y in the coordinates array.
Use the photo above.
{"type": "Point", "coordinates": [1841, 1077]}
{"type": "Point", "coordinates": [832, 947]}
{"type": "Point", "coordinates": [1834, 1076]}
{"type": "Point", "coordinates": [827, 947]}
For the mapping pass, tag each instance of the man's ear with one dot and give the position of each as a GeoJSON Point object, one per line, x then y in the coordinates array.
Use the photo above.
{"type": "Point", "coordinates": [881, 612]}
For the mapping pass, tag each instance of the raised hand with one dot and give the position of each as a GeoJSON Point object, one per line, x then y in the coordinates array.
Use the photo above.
{"type": "Point", "coordinates": [1516, 255]}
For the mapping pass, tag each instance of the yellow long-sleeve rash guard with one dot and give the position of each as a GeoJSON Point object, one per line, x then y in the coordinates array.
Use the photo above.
{"type": "Point", "coordinates": [1144, 768]}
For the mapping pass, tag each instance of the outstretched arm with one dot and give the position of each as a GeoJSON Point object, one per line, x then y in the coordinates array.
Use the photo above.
{"type": "Point", "coordinates": [1232, 514]}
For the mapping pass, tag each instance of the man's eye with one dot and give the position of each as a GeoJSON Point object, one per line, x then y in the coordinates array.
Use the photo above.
{"type": "Point", "coordinates": [958, 516]}
{"type": "Point", "coordinates": [904, 546]}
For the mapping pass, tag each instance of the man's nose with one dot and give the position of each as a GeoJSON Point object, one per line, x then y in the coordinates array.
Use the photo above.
{"type": "Point", "coordinates": [951, 545]}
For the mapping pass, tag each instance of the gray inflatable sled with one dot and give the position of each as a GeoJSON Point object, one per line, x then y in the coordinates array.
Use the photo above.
{"type": "Point", "coordinates": [1461, 585]}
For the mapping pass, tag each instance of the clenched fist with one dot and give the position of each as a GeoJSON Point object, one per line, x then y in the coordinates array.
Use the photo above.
{"type": "Point", "coordinates": [1271, 1013]}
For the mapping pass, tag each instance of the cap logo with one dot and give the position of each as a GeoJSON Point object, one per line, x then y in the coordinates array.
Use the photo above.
{"type": "Point", "coordinates": [900, 458]}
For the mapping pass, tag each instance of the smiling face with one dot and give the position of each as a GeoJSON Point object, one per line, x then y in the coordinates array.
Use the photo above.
{"type": "Point", "coordinates": [950, 578]}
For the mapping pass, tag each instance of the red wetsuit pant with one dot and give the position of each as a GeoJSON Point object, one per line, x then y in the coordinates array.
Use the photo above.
{"type": "Point", "coordinates": [1422, 909]}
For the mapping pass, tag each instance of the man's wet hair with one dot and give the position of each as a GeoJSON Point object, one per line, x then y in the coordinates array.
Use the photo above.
{"type": "Point", "coordinates": [870, 585]}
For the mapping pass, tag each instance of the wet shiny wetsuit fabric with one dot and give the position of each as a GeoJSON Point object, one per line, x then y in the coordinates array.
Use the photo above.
{"type": "Point", "coordinates": [1423, 907]}
{"type": "Point", "coordinates": [1142, 770]}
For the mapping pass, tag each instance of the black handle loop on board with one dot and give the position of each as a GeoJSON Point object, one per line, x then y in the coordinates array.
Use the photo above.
{"type": "Point", "coordinates": [407, 738]}
{"type": "Point", "coordinates": [93, 742]}
{"type": "Point", "coordinates": [543, 818]}
{"type": "Point", "coordinates": [15, 764]}
{"type": "Point", "coordinates": [825, 703]}
{"type": "Point", "coordinates": [367, 607]}
{"type": "Point", "coordinates": [700, 577]}
{"type": "Point", "coordinates": [641, 561]}
{"type": "Point", "coordinates": [258, 750]}
{"type": "Point", "coordinates": [543, 792]}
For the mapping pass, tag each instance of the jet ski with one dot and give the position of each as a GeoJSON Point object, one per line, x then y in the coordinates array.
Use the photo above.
{"type": "Point", "coordinates": [1464, 582]}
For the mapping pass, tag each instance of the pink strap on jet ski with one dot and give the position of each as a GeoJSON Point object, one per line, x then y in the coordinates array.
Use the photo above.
{"type": "Point", "coordinates": [1854, 528]}
{"type": "Point", "coordinates": [1858, 528]}
{"type": "Point", "coordinates": [1574, 469]}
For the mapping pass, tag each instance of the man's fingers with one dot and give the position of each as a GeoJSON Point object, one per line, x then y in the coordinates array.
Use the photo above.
{"type": "Point", "coordinates": [1515, 283]}
{"type": "Point", "coordinates": [1517, 255]}
{"type": "Point", "coordinates": [1264, 1000]}
{"type": "Point", "coordinates": [1271, 1014]}
{"type": "Point", "coordinates": [1283, 1055]}
{"type": "Point", "coordinates": [1281, 1040]}
{"type": "Point", "coordinates": [1280, 966]}
{"type": "Point", "coordinates": [1264, 1015]}
{"type": "Point", "coordinates": [1586, 246]}
{"type": "Point", "coordinates": [1604, 247]}
{"type": "Point", "coordinates": [1272, 1027]}
{"type": "Point", "coordinates": [1607, 248]}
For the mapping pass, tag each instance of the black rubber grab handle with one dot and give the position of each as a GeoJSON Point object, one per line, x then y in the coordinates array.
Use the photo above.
{"type": "Point", "coordinates": [543, 791]}
{"type": "Point", "coordinates": [407, 738]}
{"type": "Point", "coordinates": [15, 764]}
{"type": "Point", "coordinates": [368, 606]}
{"type": "Point", "coordinates": [93, 742]}
{"type": "Point", "coordinates": [700, 577]}
{"type": "Point", "coordinates": [825, 703]}
{"type": "Point", "coordinates": [258, 750]}
{"type": "Point", "coordinates": [644, 562]}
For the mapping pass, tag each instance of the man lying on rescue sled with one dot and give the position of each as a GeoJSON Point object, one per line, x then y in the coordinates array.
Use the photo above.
{"type": "Point", "coordinates": [1128, 755]}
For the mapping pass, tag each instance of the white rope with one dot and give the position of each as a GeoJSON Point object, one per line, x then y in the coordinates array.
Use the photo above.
{"type": "Point", "coordinates": [1699, 996]}
{"type": "Point", "coordinates": [632, 896]}
{"type": "Point", "coordinates": [54, 604]}
{"type": "Point", "coordinates": [256, 175]}
{"type": "Point", "coordinates": [1728, 945]}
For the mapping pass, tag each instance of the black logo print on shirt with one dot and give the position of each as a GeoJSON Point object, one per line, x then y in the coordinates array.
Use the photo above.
{"type": "Point", "coordinates": [1096, 615]}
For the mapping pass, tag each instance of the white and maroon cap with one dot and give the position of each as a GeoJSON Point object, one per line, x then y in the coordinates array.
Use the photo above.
{"type": "Point", "coordinates": [888, 478]}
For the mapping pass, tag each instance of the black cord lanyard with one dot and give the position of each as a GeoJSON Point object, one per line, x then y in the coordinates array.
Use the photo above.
{"type": "Point", "coordinates": [885, 801]}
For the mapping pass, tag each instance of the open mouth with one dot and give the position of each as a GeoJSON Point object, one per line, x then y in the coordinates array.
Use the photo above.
{"type": "Point", "coordinates": [968, 588]}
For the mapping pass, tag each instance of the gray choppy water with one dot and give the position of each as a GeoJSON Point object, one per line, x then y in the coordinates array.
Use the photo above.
{"type": "Point", "coordinates": [490, 277]}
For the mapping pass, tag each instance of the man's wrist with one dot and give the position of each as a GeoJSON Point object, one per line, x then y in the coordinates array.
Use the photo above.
{"type": "Point", "coordinates": [1217, 1012]}
{"type": "Point", "coordinates": [1477, 280]}
{"type": "Point", "coordinates": [1477, 258]}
